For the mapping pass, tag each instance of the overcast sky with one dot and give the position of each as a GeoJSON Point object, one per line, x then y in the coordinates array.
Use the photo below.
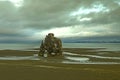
{"type": "Point", "coordinates": [30, 20]}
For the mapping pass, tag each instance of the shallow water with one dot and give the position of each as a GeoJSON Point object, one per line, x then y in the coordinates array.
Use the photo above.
{"type": "Point", "coordinates": [107, 46]}
{"type": "Point", "coordinates": [69, 58]}
{"type": "Point", "coordinates": [19, 58]}
{"type": "Point", "coordinates": [102, 57]}
{"type": "Point", "coordinates": [79, 59]}
{"type": "Point", "coordinates": [70, 62]}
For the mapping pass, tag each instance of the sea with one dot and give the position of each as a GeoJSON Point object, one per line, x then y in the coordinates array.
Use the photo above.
{"type": "Point", "coordinates": [107, 46]}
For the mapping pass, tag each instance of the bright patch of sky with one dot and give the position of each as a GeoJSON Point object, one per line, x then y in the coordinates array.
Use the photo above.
{"type": "Point", "coordinates": [76, 31]}
{"type": "Point", "coordinates": [96, 8]}
{"type": "Point", "coordinates": [118, 2]}
{"type": "Point", "coordinates": [16, 3]}
{"type": "Point", "coordinates": [59, 32]}
{"type": "Point", "coordinates": [84, 19]}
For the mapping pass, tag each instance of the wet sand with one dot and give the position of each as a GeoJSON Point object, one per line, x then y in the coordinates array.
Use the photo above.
{"type": "Point", "coordinates": [39, 70]}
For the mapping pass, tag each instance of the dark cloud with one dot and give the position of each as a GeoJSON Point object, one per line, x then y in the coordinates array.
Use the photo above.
{"type": "Point", "coordinates": [55, 13]}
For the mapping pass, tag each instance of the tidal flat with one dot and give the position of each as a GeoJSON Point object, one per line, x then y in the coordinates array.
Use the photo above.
{"type": "Point", "coordinates": [54, 68]}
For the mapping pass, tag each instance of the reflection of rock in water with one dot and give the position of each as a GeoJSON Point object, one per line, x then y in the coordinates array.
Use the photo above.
{"type": "Point", "coordinates": [51, 45]}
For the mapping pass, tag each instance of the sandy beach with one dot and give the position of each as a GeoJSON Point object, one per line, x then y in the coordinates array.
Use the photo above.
{"type": "Point", "coordinates": [45, 70]}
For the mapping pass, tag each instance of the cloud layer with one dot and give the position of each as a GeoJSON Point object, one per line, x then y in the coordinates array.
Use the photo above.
{"type": "Point", "coordinates": [31, 20]}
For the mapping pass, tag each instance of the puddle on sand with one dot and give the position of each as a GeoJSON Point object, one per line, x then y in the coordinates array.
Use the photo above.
{"type": "Point", "coordinates": [71, 54]}
{"type": "Point", "coordinates": [89, 62]}
{"type": "Point", "coordinates": [69, 58]}
{"type": "Point", "coordinates": [102, 57]}
{"type": "Point", "coordinates": [19, 58]}
{"type": "Point", "coordinates": [80, 59]}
